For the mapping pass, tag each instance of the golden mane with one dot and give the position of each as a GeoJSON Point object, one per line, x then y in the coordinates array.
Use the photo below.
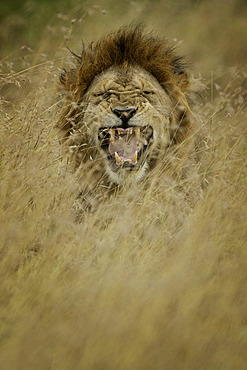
{"type": "Point", "coordinates": [129, 45]}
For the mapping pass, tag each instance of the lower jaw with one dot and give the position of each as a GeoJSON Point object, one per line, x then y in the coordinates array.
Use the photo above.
{"type": "Point", "coordinates": [128, 166]}
{"type": "Point", "coordinates": [124, 175]}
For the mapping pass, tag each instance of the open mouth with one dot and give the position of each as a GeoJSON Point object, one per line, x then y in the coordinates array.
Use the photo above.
{"type": "Point", "coordinates": [125, 147]}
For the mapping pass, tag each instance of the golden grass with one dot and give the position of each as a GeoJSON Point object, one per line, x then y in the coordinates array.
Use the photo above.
{"type": "Point", "coordinates": [144, 282]}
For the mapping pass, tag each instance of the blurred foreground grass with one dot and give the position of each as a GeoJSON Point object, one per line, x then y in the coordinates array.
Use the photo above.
{"type": "Point", "coordinates": [124, 289]}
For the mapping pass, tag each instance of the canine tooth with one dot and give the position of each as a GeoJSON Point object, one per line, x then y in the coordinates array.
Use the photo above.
{"type": "Point", "coordinates": [112, 135]}
{"type": "Point", "coordinates": [137, 133]}
{"type": "Point", "coordinates": [134, 158]}
{"type": "Point", "coordinates": [131, 131]}
{"type": "Point", "coordinates": [117, 158]}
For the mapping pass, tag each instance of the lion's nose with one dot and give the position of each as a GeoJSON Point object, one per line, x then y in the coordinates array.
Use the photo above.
{"type": "Point", "coordinates": [124, 114]}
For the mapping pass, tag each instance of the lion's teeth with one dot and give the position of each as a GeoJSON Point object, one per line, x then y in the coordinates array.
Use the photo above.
{"type": "Point", "coordinates": [124, 132]}
{"type": "Point", "coordinates": [112, 135]}
{"type": "Point", "coordinates": [134, 158]}
{"type": "Point", "coordinates": [117, 158]}
{"type": "Point", "coordinates": [137, 133]}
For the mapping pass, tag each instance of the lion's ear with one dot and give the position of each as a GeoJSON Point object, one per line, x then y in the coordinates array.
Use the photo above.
{"type": "Point", "coordinates": [68, 79]}
{"type": "Point", "coordinates": [182, 80]}
{"type": "Point", "coordinates": [180, 73]}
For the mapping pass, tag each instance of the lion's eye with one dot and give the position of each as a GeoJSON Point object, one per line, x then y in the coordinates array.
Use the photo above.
{"type": "Point", "coordinates": [146, 92]}
{"type": "Point", "coordinates": [103, 95]}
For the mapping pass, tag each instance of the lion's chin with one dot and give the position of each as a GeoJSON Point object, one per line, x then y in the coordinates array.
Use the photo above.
{"type": "Point", "coordinates": [125, 175]}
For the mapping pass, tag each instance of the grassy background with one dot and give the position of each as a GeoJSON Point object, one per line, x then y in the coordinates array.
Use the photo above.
{"type": "Point", "coordinates": [128, 288]}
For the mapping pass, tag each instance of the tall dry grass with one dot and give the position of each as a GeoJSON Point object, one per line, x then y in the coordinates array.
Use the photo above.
{"type": "Point", "coordinates": [146, 281]}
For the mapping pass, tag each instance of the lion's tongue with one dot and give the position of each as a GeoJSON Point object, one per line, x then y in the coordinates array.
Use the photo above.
{"type": "Point", "coordinates": [124, 149]}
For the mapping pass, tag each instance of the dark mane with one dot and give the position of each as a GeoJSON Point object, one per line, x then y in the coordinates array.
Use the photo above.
{"type": "Point", "coordinates": [129, 45]}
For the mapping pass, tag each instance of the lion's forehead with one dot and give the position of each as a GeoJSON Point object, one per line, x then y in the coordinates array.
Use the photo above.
{"type": "Point", "coordinates": [124, 85]}
{"type": "Point", "coordinates": [125, 81]}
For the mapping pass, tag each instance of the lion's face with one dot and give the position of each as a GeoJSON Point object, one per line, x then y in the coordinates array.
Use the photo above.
{"type": "Point", "coordinates": [127, 108]}
{"type": "Point", "coordinates": [127, 116]}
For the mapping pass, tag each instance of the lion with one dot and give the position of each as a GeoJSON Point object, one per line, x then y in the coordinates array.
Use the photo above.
{"type": "Point", "coordinates": [127, 108]}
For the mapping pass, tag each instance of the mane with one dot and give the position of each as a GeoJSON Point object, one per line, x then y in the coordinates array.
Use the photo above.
{"type": "Point", "coordinates": [127, 45]}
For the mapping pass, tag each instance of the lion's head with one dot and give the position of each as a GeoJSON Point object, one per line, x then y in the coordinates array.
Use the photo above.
{"type": "Point", "coordinates": [126, 105]}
